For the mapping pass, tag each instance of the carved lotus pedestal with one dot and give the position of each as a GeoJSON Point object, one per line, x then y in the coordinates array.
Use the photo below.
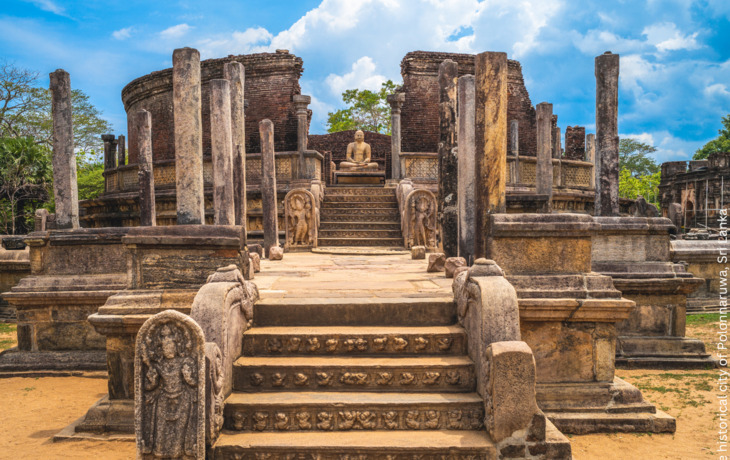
{"type": "Point", "coordinates": [634, 251]}
{"type": "Point", "coordinates": [168, 265]}
{"type": "Point", "coordinates": [568, 317]}
{"type": "Point", "coordinates": [73, 272]}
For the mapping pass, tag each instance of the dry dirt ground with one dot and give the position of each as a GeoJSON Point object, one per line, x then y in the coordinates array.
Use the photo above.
{"type": "Point", "coordinates": [35, 409]}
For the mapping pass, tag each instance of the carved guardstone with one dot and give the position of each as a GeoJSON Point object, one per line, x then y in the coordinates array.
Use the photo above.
{"type": "Point", "coordinates": [301, 223]}
{"type": "Point", "coordinates": [420, 219]}
{"type": "Point", "coordinates": [169, 377]}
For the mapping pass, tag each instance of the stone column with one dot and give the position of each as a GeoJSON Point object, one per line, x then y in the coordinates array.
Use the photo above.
{"type": "Point", "coordinates": [147, 213]}
{"type": "Point", "coordinates": [607, 68]}
{"type": "Point", "coordinates": [300, 103]}
{"type": "Point", "coordinates": [235, 73]}
{"type": "Point", "coordinates": [186, 97]}
{"type": "Point", "coordinates": [221, 144]}
{"type": "Point", "coordinates": [515, 150]}
{"type": "Point", "coordinates": [491, 142]}
{"type": "Point", "coordinates": [268, 186]}
{"type": "Point", "coordinates": [109, 161]}
{"type": "Point", "coordinates": [544, 168]}
{"type": "Point", "coordinates": [65, 186]}
{"type": "Point", "coordinates": [121, 159]}
{"type": "Point", "coordinates": [591, 157]}
{"type": "Point", "coordinates": [448, 167]}
{"type": "Point", "coordinates": [467, 168]}
{"type": "Point", "coordinates": [121, 150]}
{"type": "Point", "coordinates": [396, 103]}
{"type": "Point", "coordinates": [557, 144]}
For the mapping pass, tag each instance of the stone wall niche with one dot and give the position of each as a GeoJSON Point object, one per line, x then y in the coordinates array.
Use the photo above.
{"type": "Point", "coordinates": [568, 317]}
{"type": "Point", "coordinates": [635, 252]}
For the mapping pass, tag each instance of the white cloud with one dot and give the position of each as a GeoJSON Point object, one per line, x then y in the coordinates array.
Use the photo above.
{"type": "Point", "coordinates": [50, 6]}
{"type": "Point", "coordinates": [175, 31]}
{"type": "Point", "coordinates": [666, 37]}
{"type": "Point", "coordinates": [718, 89]}
{"type": "Point", "coordinates": [362, 76]}
{"type": "Point", "coordinates": [635, 70]}
{"type": "Point", "coordinates": [646, 138]}
{"type": "Point", "coordinates": [123, 34]}
{"type": "Point", "coordinates": [252, 40]}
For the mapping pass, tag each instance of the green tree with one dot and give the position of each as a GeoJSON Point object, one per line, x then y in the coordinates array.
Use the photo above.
{"type": "Point", "coordinates": [25, 111]}
{"type": "Point", "coordinates": [90, 180]}
{"type": "Point", "coordinates": [634, 157]}
{"type": "Point", "coordinates": [366, 110]}
{"type": "Point", "coordinates": [719, 145]}
{"type": "Point", "coordinates": [25, 177]}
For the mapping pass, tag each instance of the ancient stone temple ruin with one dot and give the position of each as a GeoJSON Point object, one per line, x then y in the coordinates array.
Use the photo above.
{"type": "Point", "coordinates": [250, 289]}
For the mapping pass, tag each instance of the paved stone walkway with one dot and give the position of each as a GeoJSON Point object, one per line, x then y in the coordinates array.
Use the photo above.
{"type": "Point", "coordinates": [307, 274]}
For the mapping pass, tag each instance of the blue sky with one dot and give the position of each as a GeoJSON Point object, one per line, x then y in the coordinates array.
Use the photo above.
{"type": "Point", "coordinates": [675, 54]}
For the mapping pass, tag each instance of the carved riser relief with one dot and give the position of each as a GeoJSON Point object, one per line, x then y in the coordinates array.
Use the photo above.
{"type": "Point", "coordinates": [354, 345]}
{"type": "Point", "coordinates": [359, 204]}
{"type": "Point", "coordinates": [240, 453]}
{"type": "Point", "coordinates": [360, 242]}
{"type": "Point", "coordinates": [359, 234]}
{"type": "Point", "coordinates": [360, 212]}
{"type": "Point", "coordinates": [451, 379]}
{"type": "Point", "coordinates": [463, 417]}
{"type": "Point", "coordinates": [395, 226]}
{"type": "Point", "coordinates": [359, 191]}
{"type": "Point", "coordinates": [336, 217]}
{"type": "Point", "coordinates": [364, 198]}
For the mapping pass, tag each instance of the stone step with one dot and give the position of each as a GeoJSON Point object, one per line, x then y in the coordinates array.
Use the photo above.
{"type": "Point", "coordinates": [354, 341]}
{"type": "Point", "coordinates": [345, 411]}
{"type": "Point", "coordinates": [329, 373]}
{"type": "Point", "coordinates": [332, 198]}
{"type": "Point", "coordinates": [355, 225]}
{"type": "Point", "coordinates": [355, 190]}
{"type": "Point", "coordinates": [387, 242]}
{"type": "Point", "coordinates": [360, 217]}
{"type": "Point", "coordinates": [371, 204]}
{"type": "Point", "coordinates": [338, 233]}
{"type": "Point", "coordinates": [589, 422]}
{"type": "Point", "coordinates": [373, 445]}
{"type": "Point", "coordinates": [355, 311]}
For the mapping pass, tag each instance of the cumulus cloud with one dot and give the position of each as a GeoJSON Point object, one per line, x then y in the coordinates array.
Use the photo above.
{"type": "Point", "coordinates": [666, 37]}
{"type": "Point", "coordinates": [50, 6]}
{"type": "Point", "coordinates": [123, 34]}
{"type": "Point", "coordinates": [362, 76]}
{"type": "Point", "coordinates": [252, 40]}
{"type": "Point", "coordinates": [175, 31]}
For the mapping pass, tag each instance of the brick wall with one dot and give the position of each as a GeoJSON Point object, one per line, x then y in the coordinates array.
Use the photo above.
{"type": "Point", "coordinates": [337, 144]}
{"type": "Point", "coordinates": [271, 81]}
{"type": "Point", "coordinates": [419, 116]}
{"type": "Point", "coordinates": [575, 143]}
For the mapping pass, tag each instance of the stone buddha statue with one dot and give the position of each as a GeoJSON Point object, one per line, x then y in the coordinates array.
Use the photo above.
{"type": "Point", "coordinates": [358, 155]}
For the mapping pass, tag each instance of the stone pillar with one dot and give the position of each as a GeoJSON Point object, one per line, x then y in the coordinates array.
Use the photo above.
{"type": "Point", "coordinates": [607, 68]}
{"type": "Point", "coordinates": [109, 161]}
{"type": "Point", "coordinates": [121, 150]}
{"type": "Point", "coordinates": [448, 168]}
{"type": "Point", "coordinates": [575, 143]}
{"type": "Point", "coordinates": [221, 144]}
{"type": "Point", "coordinates": [491, 142]}
{"type": "Point", "coordinates": [268, 186]}
{"type": "Point", "coordinates": [396, 103]}
{"type": "Point", "coordinates": [300, 103]}
{"type": "Point", "coordinates": [544, 169]}
{"type": "Point", "coordinates": [147, 213]}
{"type": "Point", "coordinates": [515, 147]}
{"type": "Point", "coordinates": [591, 156]}
{"type": "Point", "coordinates": [467, 168]}
{"type": "Point", "coordinates": [186, 97]}
{"type": "Point", "coordinates": [65, 186]}
{"type": "Point", "coordinates": [557, 144]}
{"type": "Point", "coordinates": [235, 73]}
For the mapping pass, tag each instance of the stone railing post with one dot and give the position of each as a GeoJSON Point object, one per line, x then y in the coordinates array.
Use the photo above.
{"type": "Point", "coordinates": [186, 100]}
{"type": "Point", "coordinates": [396, 103]}
{"type": "Point", "coordinates": [300, 103]}
{"type": "Point", "coordinates": [544, 169]}
{"type": "Point", "coordinates": [147, 212]}
{"type": "Point", "coordinates": [268, 186]}
{"type": "Point", "coordinates": [65, 186]}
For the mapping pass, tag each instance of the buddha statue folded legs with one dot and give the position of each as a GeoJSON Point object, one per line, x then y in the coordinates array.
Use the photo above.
{"type": "Point", "coordinates": [358, 155]}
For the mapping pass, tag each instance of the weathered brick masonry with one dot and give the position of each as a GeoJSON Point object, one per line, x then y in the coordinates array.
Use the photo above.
{"type": "Point", "coordinates": [271, 81]}
{"type": "Point", "coordinates": [575, 143]}
{"type": "Point", "coordinates": [419, 117]}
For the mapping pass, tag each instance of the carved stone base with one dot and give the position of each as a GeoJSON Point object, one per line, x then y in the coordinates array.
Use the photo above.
{"type": "Point", "coordinates": [108, 416]}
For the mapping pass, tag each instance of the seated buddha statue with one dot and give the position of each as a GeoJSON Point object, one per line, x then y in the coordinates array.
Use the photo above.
{"type": "Point", "coordinates": [358, 155]}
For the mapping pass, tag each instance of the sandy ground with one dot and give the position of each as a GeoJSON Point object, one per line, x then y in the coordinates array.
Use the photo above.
{"type": "Point", "coordinates": [36, 409]}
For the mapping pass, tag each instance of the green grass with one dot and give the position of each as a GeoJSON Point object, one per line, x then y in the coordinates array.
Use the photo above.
{"type": "Point", "coordinates": [7, 328]}
{"type": "Point", "coordinates": [703, 319]}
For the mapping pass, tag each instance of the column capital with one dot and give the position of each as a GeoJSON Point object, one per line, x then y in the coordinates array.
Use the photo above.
{"type": "Point", "coordinates": [396, 101]}
{"type": "Point", "coordinates": [301, 102]}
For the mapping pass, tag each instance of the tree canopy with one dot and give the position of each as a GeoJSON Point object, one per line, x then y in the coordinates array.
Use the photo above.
{"type": "Point", "coordinates": [717, 145]}
{"type": "Point", "coordinates": [639, 173]}
{"type": "Point", "coordinates": [366, 110]}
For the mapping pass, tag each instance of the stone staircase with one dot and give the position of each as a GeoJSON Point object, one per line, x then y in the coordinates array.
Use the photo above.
{"type": "Point", "coordinates": [360, 216]}
{"type": "Point", "coordinates": [367, 379]}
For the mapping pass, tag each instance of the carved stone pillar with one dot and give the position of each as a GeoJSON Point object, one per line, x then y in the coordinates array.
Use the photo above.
{"type": "Point", "coordinates": [301, 102]}
{"type": "Point", "coordinates": [607, 70]}
{"type": "Point", "coordinates": [544, 171]}
{"type": "Point", "coordinates": [65, 186]}
{"type": "Point", "coordinates": [396, 103]}
{"type": "Point", "coordinates": [235, 73]}
{"type": "Point", "coordinates": [147, 212]}
{"type": "Point", "coordinates": [268, 186]}
{"type": "Point", "coordinates": [467, 168]}
{"type": "Point", "coordinates": [448, 167]}
{"type": "Point", "coordinates": [221, 145]}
